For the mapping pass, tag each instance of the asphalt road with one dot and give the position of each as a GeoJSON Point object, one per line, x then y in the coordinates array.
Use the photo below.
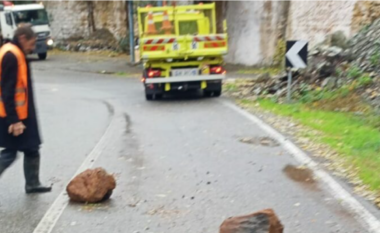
{"type": "Point", "coordinates": [179, 162]}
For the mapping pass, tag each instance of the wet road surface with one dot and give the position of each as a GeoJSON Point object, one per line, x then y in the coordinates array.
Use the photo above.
{"type": "Point", "coordinates": [180, 163]}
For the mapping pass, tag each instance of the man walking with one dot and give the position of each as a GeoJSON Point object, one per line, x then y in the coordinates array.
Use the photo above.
{"type": "Point", "coordinates": [18, 121]}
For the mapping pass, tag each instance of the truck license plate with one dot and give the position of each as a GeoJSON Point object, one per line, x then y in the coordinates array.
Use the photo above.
{"type": "Point", "coordinates": [185, 72]}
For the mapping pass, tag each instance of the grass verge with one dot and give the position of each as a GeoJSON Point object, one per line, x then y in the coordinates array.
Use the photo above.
{"type": "Point", "coordinates": [263, 70]}
{"type": "Point", "coordinates": [355, 137]}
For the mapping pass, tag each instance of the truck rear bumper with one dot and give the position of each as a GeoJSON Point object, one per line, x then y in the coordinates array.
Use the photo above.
{"type": "Point", "coordinates": [185, 79]}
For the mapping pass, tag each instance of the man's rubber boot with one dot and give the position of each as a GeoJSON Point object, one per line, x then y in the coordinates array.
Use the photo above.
{"type": "Point", "coordinates": [4, 164]}
{"type": "Point", "coordinates": [31, 171]}
{"type": "Point", "coordinates": [7, 157]}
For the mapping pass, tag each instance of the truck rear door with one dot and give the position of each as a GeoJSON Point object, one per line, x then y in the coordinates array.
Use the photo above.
{"type": "Point", "coordinates": [193, 32]}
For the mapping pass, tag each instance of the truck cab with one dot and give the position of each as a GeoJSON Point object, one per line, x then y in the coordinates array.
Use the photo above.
{"type": "Point", "coordinates": [181, 50]}
{"type": "Point", "coordinates": [13, 15]}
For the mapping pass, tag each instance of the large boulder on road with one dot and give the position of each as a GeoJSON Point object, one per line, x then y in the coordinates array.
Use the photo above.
{"type": "Point", "coordinates": [92, 185]}
{"type": "Point", "coordinates": [264, 221]}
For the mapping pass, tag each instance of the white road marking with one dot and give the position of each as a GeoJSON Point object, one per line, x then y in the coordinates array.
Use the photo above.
{"type": "Point", "coordinates": [55, 211]}
{"type": "Point", "coordinates": [368, 220]}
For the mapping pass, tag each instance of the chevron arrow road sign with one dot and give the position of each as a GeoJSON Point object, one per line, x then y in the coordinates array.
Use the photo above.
{"type": "Point", "coordinates": [296, 54]}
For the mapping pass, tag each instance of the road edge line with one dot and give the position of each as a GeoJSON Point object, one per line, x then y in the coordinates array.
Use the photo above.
{"type": "Point", "coordinates": [348, 201]}
{"type": "Point", "coordinates": [52, 215]}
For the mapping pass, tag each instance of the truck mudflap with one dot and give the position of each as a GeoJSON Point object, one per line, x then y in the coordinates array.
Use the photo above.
{"type": "Point", "coordinates": [185, 79]}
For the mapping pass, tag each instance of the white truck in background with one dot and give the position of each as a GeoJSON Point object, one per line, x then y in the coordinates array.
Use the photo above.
{"type": "Point", "coordinates": [13, 15]}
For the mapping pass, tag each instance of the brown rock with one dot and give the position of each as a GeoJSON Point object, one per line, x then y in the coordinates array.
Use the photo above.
{"type": "Point", "coordinates": [264, 221]}
{"type": "Point", "coordinates": [92, 185]}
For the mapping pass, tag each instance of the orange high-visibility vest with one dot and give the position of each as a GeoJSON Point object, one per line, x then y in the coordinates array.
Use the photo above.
{"type": "Point", "coordinates": [21, 97]}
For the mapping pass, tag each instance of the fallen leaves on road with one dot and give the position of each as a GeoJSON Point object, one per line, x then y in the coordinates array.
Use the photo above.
{"type": "Point", "coordinates": [299, 174]}
{"type": "Point", "coordinates": [266, 141]}
{"type": "Point", "coordinates": [161, 195]}
{"type": "Point", "coordinates": [164, 213]}
{"type": "Point", "coordinates": [304, 138]}
{"type": "Point", "coordinates": [133, 203]}
{"type": "Point", "coordinates": [91, 207]}
{"type": "Point", "coordinates": [248, 140]}
{"type": "Point", "coordinates": [263, 141]}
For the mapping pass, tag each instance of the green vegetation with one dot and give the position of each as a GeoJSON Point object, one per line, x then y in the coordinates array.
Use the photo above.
{"type": "Point", "coordinates": [364, 80]}
{"type": "Point", "coordinates": [310, 96]}
{"type": "Point", "coordinates": [230, 87]}
{"type": "Point", "coordinates": [127, 74]}
{"type": "Point", "coordinates": [354, 72]}
{"type": "Point", "coordinates": [121, 73]}
{"type": "Point", "coordinates": [365, 28]}
{"type": "Point", "coordinates": [124, 44]}
{"type": "Point", "coordinates": [375, 58]}
{"type": "Point", "coordinates": [263, 70]}
{"type": "Point", "coordinates": [357, 138]}
{"type": "Point", "coordinates": [341, 118]}
{"type": "Point", "coordinates": [278, 58]}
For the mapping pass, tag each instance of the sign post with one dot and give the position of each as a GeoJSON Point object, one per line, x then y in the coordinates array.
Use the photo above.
{"type": "Point", "coordinates": [131, 32]}
{"type": "Point", "coordinates": [295, 57]}
{"type": "Point", "coordinates": [289, 91]}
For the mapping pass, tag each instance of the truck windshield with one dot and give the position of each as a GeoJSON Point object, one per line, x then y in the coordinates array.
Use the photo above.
{"type": "Point", "coordinates": [35, 17]}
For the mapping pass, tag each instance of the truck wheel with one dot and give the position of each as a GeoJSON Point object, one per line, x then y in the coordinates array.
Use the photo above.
{"type": "Point", "coordinates": [207, 93]}
{"type": "Point", "coordinates": [216, 93]}
{"type": "Point", "coordinates": [42, 56]}
{"type": "Point", "coordinates": [158, 96]}
{"type": "Point", "coordinates": [149, 97]}
{"type": "Point", "coordinates": [153, 96]}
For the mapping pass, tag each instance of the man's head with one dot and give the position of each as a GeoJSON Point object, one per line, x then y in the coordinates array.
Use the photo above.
{"type": "Point", "coordinates": [26, 38]}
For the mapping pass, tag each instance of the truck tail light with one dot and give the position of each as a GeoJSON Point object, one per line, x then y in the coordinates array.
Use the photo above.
{"type": "Point", "coordinates": [217, 70]}
{"type": "Point", "coordinates": [154, 73]}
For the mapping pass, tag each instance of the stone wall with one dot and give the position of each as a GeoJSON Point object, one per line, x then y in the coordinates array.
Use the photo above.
{"type": "Point", "coordinates": [69, 18]}
{"type": "Point", "coordinates": [313, 20]}
{"type": "Point", "coordinates": [364, 13]}
{"type": "Point", "coordinates": [112, 16]}
{"type": "Point", "coordinates": [255, 28]}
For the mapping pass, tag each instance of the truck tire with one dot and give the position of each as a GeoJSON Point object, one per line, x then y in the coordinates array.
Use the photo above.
{"type": "Point", "coordinates": [153, 96]}
{"type": "Point", "coordinates": [42, 56]}
{"type": "Point", "coordinates": [215, 93]}
{"type": "Point", "coordinates": [149, 97]}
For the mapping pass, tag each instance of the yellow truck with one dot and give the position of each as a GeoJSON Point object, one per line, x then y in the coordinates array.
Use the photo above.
{"type": "Point", "coordinates": [181, 50]}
